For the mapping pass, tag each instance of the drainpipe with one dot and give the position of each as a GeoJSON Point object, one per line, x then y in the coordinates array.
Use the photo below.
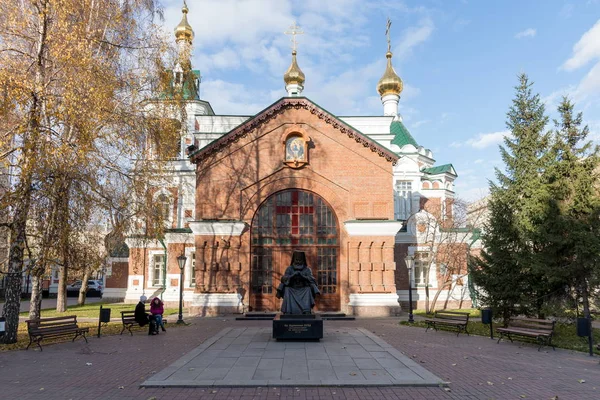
{"type": "Point", "coordinates": [164, 269]}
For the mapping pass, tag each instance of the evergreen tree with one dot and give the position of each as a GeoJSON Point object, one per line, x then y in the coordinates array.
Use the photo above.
{"type": "Point", "coordinates": [509, 271]}
{"type": "Point", "coordinates": [572, 224]}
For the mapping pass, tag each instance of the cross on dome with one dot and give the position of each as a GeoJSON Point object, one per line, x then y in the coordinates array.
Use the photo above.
{"type": "Point", "coordinates": [294, 30]}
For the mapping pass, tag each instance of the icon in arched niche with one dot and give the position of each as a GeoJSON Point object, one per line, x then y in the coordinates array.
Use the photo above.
{"type": "Point", "coordinates": [295, 151]}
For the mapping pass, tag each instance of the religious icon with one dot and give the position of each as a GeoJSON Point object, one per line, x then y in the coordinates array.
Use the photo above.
{"type": "Point", "coordinates": [294, 149]}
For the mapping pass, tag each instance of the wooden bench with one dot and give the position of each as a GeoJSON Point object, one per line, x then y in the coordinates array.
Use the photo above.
{"type": "Point", "coordinates": [42, 328]}
{"type": "Point", "coordinates": [128, 320]}
{"type": "Point", "coordinates": [456, 319]}
{"type": "Point", "coordinates": [539, 329]}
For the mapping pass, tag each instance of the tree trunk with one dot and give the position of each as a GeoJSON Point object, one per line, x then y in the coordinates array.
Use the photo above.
{"type": "Point", "coordinates": [84, 287]}
{"type": "Point", "coordinates": [14, 276]}
{"type": "Point", "coordinates": [61, 296]}
{"type": "Point", "coordinates": [22, 200]}
{"type": "Point", "coordinates": [585, 298]}
{"type": "Point", "coordinates": [35, 303]}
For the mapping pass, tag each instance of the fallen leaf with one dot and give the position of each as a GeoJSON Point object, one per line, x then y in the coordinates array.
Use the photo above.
{"type": "Point", "coordinates": [152, 398]}
{"type": "Point", "coordinates": [447, 389]}
{"type": "Point", "coordinates": [41, 388]}
{"type": "Point", "coordinates": [88, 363]}
{"type": "Point", "coordinates": [490, 383]}
{"type": "Point", "coordinates": [522, 396]}
{"type": "Point", "coordinates": [509, 378]}
{"type": "Point", "coordinates": [121, 387]}
{"type": "Point", "coordinates": [213, 391]}
{"type": "Point", "coordinates": [581, 381]}
{"type": "Point", "coordinates": [454, 365]}
{"type": "Point", "coordinates": [465, 357]}
{"type": "Point", "coordinates": [191, 369]}
{"type": "Point", "coordinates": [353, 373]}
{"type": "Point", "coordinates": [554, 398]}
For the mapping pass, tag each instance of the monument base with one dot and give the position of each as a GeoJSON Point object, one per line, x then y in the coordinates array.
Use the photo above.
{"type": "Point", "coordinates": [297, 327]}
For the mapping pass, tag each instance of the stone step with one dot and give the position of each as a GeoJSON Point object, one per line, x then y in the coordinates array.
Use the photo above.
{"type": "Point", "coordinates": [265, 316]}
{"type": "Point", "coordinates": [254, 318]}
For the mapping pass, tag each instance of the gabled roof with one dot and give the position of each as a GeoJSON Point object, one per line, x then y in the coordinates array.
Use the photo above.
{"type": "Point", "coordinates": [440, 169]}
{"type": "Point", "coordinates": [280, 106]}
{"type": "Point", "coordinates": [401, 135]}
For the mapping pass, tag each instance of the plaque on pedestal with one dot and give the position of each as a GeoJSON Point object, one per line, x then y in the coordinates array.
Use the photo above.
{"type": "Point", "coordinates": [297, 327]}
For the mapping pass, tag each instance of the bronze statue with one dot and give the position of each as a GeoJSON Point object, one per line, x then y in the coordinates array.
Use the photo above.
{"type": "Point", "coordinates": [298, 287]}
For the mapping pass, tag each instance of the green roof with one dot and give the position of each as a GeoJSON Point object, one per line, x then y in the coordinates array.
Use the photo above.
{"type": "Point", "coordinates": [440, 169]}
{"type": "Point", "coordinates": [191, 85]}
{"type": "Point", "coordinates": [401, 135]}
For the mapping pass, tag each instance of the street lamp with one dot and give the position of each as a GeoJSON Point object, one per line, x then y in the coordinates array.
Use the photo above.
{"type": "Point", "coordinates": [410, 261]}
{"type": "Point", "coordinates": [181, 261]}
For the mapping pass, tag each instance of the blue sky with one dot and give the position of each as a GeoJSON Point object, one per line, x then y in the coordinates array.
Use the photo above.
{"type": "Point", "coordinates": [459, 61]}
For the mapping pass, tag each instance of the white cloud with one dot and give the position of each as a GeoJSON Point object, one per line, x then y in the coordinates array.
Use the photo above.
{"type": "Point", "coordinates": [478, 161]}
{"type": "Point", "coordinates": [484, 140]}
{"type": "Point", "coordinates": [412, 37]}
{"type": "Point", "coordinates": [456, 145]}
{"type": "Point", "coordinates": [529, 32]}
{"type": "Point", "coordinates": [234, 98]}
{"type": "Point", "coordinates": [589, 85]}
{"type": "Point", "coordinates": [473, 193]}
{"type": "Point", "coordinates": [586, 49]}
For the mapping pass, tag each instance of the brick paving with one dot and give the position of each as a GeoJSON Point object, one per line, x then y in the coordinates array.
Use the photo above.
{"type": "Point", "coordinates": [113, 367]}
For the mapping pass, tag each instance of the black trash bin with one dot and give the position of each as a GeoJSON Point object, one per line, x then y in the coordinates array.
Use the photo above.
{"type": "Point", "coordinates": [584, 326]}
{"type": "Point", "coordinates": [486, 316]}
{"type": "Point", "coordinates": [105, 315]}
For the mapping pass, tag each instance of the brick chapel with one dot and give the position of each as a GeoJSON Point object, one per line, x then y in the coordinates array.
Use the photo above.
{"type": "Point", "coordinates": [248, 190]}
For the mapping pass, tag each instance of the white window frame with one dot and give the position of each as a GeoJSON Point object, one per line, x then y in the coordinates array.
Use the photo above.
{"type": "Point", "coordinates": [422, 265]}
{"type": "Point", "coordinates": [403, 194]}
{"type": "Point", "coordinates": [152, 272]}
{"type": "Point", "coordinates": [192, 266]}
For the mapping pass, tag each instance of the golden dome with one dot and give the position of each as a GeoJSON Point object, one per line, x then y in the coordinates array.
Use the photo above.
{"type": "Point", "coordinates": [390, 82]}
{"type": "Point", "coordinates": [294, 74]}
{"type": "Point", "coordinates": [184, 31]}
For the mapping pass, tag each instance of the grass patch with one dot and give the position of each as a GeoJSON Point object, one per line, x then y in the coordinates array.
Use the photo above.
{"type": "Point", "coordinates": [93, 310]}
{"type": "Point", "coordinates": [565, 335]}
{"type": "Point", "coordinates": [113, 328]}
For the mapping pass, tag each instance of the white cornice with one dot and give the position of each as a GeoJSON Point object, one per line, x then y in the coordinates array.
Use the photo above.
{"type": "Point", "coordinates": [372, 228]}
{"type": "Point", "coordinates": [218, 228]}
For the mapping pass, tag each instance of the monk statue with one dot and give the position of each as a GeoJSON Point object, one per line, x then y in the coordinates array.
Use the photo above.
{"type": "Point", "coordinates": [298, 287]}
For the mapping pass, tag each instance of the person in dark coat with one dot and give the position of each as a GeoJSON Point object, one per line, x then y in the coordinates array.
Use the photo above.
{"type": "Point", "coordinates": [144, 319]}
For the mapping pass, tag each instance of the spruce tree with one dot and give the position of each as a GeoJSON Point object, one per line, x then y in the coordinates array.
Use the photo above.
{"type": "Point", "coordinates": [572, 224]}
{"type": "Point", "coordinates": [508, 272]}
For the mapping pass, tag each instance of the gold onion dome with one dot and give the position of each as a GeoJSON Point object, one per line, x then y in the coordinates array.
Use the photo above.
{"type": "Point", "coordinates": [294, 74]}
{"type": "Point", "coordinates": [184, 30]}
{"type": "Point", "coordinates": [390, 82]}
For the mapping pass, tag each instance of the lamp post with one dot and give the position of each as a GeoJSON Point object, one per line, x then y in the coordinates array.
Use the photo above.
{"type": "Point", "coordinates": [181, 261]}
{"type": "Point", "coordinates": [409, 260]}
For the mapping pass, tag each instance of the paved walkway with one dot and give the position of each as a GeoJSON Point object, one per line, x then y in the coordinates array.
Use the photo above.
{"type": "Point", "coordinates": [113, 367]}
{"type": "Point", "coordinates": [251, 357]}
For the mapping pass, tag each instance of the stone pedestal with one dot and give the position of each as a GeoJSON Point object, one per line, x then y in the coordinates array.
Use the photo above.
{"type": "Point", "coordinates": [297, 327]}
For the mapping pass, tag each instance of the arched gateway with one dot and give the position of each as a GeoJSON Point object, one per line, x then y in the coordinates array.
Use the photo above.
{"type": "Point", "coordinates": [294, 220]}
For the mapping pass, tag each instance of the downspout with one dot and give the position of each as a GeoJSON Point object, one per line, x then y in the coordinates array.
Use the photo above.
{"type": "Point", "coordinates": [164, 269]}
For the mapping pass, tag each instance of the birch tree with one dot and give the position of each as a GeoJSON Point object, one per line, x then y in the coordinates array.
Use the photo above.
{"type": "Point", "coordinates": [74, 75]}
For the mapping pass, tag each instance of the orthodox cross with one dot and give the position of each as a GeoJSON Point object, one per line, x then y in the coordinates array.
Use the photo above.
{"type": "Point", "coordinates": [387, 33]}
{"type": "Point", "coordinates": [294, 30]}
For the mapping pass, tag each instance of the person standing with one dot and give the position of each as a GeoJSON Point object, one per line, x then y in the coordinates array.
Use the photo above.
{"type": "Point", "coordinates": [157, 310]}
